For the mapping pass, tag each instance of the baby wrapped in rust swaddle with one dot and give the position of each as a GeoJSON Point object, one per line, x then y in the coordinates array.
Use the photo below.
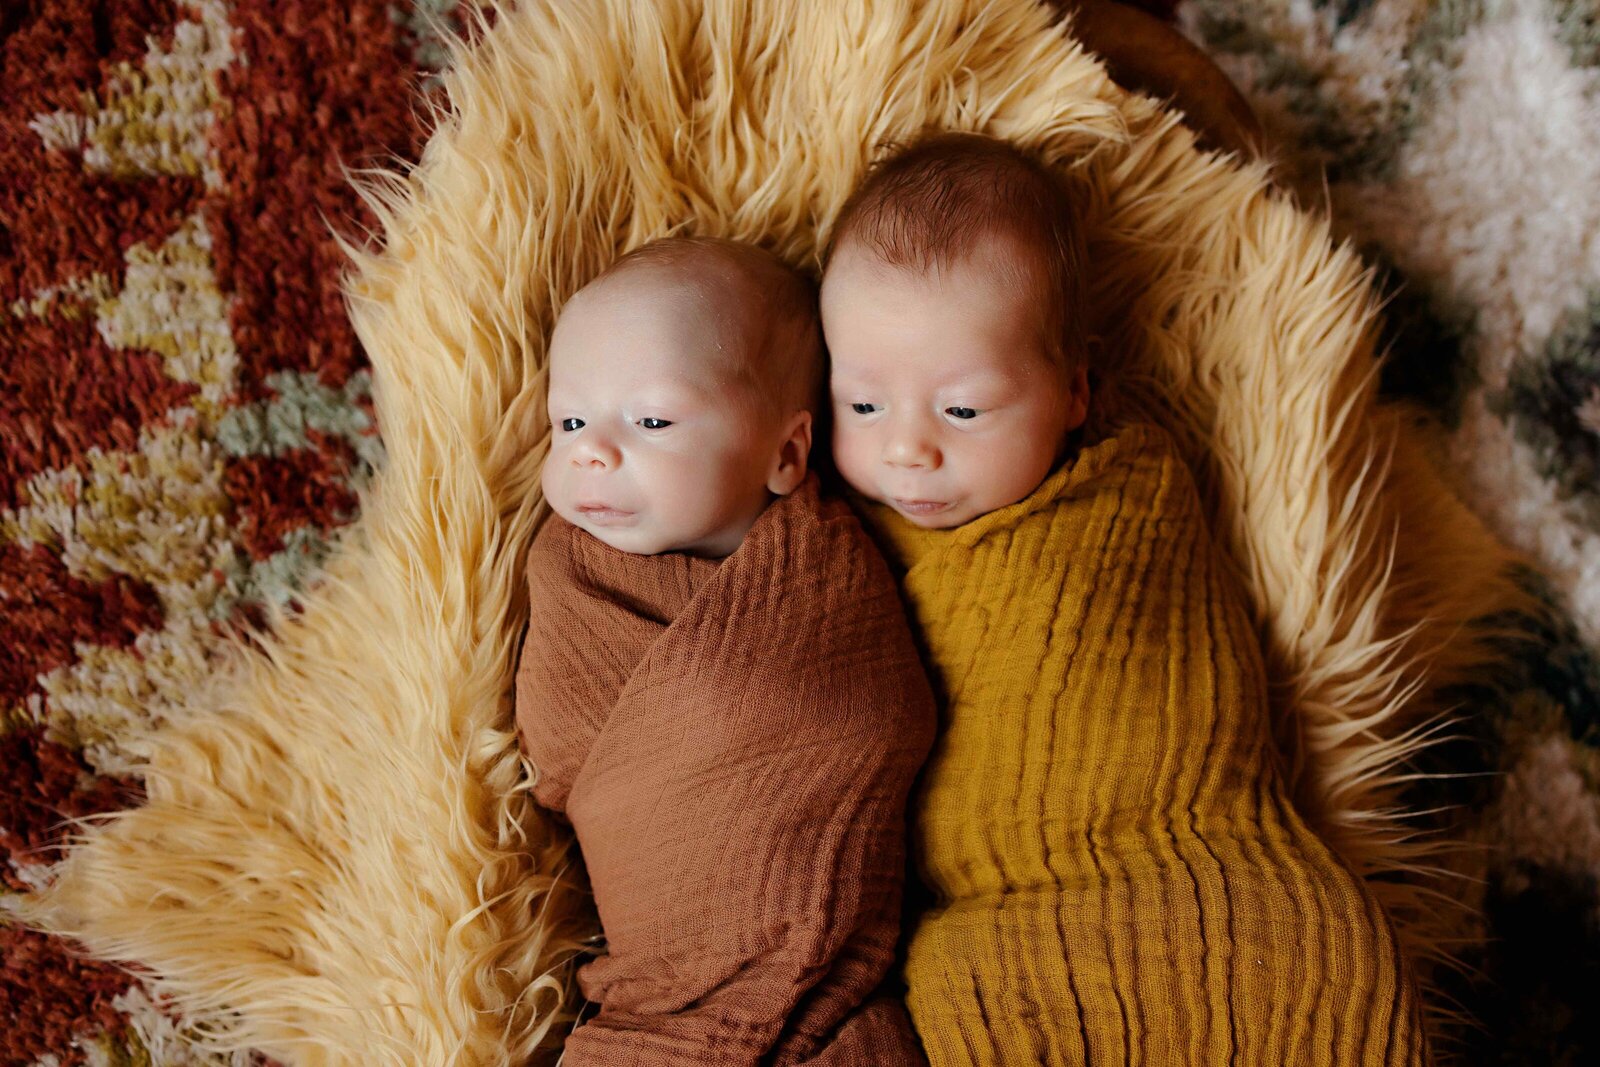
{"type": "Point", "coordinates": [718, 688]}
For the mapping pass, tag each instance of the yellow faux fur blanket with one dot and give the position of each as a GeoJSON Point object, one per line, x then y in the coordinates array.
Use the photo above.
{"type": "Point", "coordinates": [339, 862]}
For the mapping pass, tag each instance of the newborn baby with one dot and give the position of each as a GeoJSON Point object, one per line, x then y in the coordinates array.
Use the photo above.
{"type": "Point", "coordinates": [719, 687]}
{"type": "Point", "coordinates": [1119, 873]}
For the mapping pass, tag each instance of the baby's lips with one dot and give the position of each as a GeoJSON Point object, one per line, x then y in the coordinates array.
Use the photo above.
{"type": "Point", "coordinates": [604, 514]}
{"type": "Point", "coordinates": [921, 507]}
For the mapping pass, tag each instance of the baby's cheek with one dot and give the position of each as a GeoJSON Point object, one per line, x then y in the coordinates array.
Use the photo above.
{"type": "Point", "coordinates": [850, 449]}
{"type": "Point", "coordinates": [550, 481]}
{"type": "Point", "coordinates": [678, 491]}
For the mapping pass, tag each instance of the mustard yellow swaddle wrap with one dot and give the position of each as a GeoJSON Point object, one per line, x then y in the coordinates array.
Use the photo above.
{"type": "Point", "coordinates": [1120, 876]}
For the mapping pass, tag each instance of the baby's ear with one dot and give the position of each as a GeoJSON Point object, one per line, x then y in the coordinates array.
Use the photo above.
{"type": "Point", "coordinates": [1077, 396]}
{"type": "Point", "coordinates": [790, 466]}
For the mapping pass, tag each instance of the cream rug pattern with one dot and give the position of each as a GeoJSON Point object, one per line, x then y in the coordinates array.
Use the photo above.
{"type": "Point", "coordinates": [1460, 144]}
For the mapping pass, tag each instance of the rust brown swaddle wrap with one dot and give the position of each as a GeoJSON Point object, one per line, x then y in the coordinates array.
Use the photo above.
{"type": "Point", "coordinates": [733, 742]}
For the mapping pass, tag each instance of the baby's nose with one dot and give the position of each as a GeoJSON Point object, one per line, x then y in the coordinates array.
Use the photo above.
{"type": "Point", "coordinates": [911, 451]}
{"type": "Point", "coordinates": [596, 452]}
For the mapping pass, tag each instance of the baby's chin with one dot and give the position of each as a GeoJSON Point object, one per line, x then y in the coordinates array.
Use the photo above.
{"type": "Point", "coordinates": [634, 542]}
{"type": "Point", "coordinates": [632, 532]}
{"type": "Point", "coordinates": [638, 535]}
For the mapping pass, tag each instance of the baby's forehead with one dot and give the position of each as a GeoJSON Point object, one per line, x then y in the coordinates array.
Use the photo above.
{"type": "Point", "coordinates": [976, 321]}
{"type": "Point", "coordinates": [633, 284]}
{"type": "Point", "coordinates": [660, 324]}
{"type": "Point", "coordinates": [700, 290]}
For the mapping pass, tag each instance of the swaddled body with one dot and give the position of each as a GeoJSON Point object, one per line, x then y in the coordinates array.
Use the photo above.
{"type": "Point", "coordinates": [719, 687]}
{"type": "Point", "coordinates": [733, 743]}
{"type": "Point", "coordinates": [1120, 874]}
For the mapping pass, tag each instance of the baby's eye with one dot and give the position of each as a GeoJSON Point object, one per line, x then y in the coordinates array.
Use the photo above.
{"type": "Point", "coordinates": [864, 409]}
{"type": "Point", "coordinates": [961, 413]}
{"type": "Point", "coordinates": [654, 424]}
{"type": "Point", "coordinates": [571, 424]}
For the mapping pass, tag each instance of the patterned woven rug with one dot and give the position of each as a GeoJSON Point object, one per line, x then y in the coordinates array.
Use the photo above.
{"type": "Point", "coordinates": [184, 415]}
{"type": "Point", "coordinates": [1454, 141]}
{"type": "Point", "coordinates": [183, 405]}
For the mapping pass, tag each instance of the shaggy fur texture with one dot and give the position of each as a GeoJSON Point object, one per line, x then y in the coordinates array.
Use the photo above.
{"type": "Point", "coordinates": [339, 862]}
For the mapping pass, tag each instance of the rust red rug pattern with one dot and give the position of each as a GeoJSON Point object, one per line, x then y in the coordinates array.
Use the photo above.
{"type": "Point", "coordinates": [184, 409]}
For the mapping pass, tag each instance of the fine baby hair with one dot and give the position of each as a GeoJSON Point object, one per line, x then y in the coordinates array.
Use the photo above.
{"type": "Point", "coordinates": [926, 205]}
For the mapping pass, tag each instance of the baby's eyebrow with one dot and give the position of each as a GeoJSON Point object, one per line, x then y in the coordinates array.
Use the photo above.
{"type": "Point", "coordinates": [982, 377]}
{"type": "Point", "coordinates": [686, 388]}
{"type": "Point", "coordinates": [855, 370]}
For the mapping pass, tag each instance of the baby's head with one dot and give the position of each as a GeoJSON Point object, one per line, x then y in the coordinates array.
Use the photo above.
{"type": "Point", "coordinates": [683, 381]}
{"type": "Point", "coordinates": [953, 306]}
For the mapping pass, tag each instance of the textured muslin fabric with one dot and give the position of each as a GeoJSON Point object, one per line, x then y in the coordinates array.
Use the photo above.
{"type": "Point", "coordinates": [733, 742]}
{"type": "Point", "coordinates": [1120, 876]}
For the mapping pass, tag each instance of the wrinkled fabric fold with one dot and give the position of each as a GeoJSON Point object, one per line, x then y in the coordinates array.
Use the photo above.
{"type": "Point", "coordinates": [733, 743]}
{"type": "Point", "coordinates": [1120, 875]}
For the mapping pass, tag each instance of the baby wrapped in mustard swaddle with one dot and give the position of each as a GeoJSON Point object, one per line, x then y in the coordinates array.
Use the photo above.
{"type": "Point", "coordinates": [719, 688]}
{"type": "Point", "coordinates": [1119, 874]}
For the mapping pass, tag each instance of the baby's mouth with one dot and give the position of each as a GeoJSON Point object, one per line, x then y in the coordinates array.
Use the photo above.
{"type": "Point", "coordinates": [604, 514]}
{"type": "Point", "coordinates": [921, 507]}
